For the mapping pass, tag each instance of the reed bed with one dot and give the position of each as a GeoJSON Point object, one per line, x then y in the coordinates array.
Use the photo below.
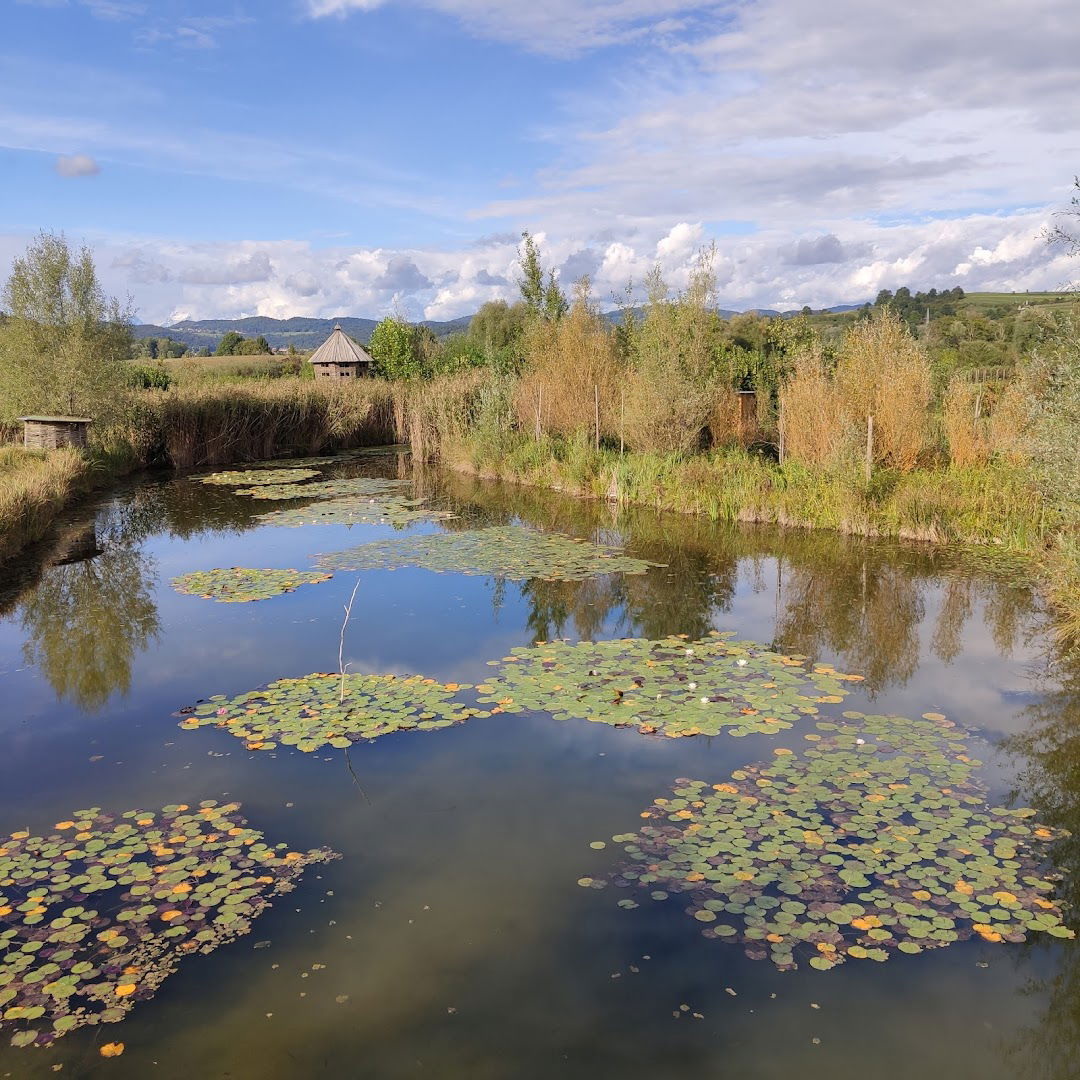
{"type": "Point", "coordinates": [34, 486]}
{"type": "Point", "coordinates": [203, 424]}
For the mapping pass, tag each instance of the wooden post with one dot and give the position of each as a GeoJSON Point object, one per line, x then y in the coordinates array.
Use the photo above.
{"type": "Point", "coordinates": [781, 426]}
{"type": "Point", "coordinates": [596, 402]}
{"type": "Point", "coordinates": [869, 448]}
{"type": "Point", "coordinates": [622, 422]}
{"type": "Point", "coordinates": [978, 413]}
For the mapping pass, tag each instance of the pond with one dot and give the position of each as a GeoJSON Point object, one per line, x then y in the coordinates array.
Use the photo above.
{"type": "Point", "coordinates": [461, 909]}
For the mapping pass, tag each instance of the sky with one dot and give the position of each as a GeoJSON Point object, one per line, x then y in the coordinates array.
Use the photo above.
{"type": "Point", "coordinates": [366, 157]}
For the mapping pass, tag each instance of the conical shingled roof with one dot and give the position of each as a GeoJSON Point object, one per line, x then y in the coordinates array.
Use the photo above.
{"type": "Point", "coordinates": [339, 348]}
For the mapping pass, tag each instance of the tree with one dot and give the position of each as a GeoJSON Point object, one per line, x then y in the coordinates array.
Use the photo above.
{"type": "Point", "coordinates": [1067, 235]}
{"type": "Point", "coordinates": [395, 348]}
{"type": "Point", "coordinates": [498, 325]}
{"type": "Point", "coordinates": [531, 282]}
{"type": "Point", "coordinates": [546, 300]}
{"type": "Point", "coordinates": [65, 346]}
{"type": "Point", "coordinates": [229, 344]}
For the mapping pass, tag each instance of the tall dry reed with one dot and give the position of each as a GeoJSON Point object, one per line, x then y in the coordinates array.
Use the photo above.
{"type": "Point", "coordinates": [203, 424]}
{"type": "Point", "coordinates": [571, 373]}
{"type": "Point", "coordinates": [883, 372]}
{"type": "Point", "coordinates": [810, 414]}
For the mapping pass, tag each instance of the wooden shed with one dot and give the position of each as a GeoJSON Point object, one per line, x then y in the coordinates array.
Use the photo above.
{"type": "Point", "coordinates": [51, 432]}
{"type": "Point", "coordinates": [339, 357]}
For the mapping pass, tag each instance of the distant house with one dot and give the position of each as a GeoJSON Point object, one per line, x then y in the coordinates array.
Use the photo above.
{"type": "Point", "coordinates": [339, 357]}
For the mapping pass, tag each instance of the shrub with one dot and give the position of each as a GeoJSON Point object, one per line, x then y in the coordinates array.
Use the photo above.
{"type": "Point", "coordinates": [148, 377]}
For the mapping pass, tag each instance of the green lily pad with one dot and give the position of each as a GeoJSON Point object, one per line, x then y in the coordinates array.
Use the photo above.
{"type": "Point", "coordinates": [509, 551]}
{"type": "Point", "coordinates": [883, 825]}
{"type": "Point", "coordinates": [251, 477]}
{"type": "Point", "coordinates": [240, 585]}
{"type": "Point", "coordinates": [673, 687]}
{"type": "Point", "coordinates": [321, 710]}
{"type": "Point", "coordinates": [360, 486]}
{"type": "Point", "coordinates": [207, 876]}
{"type": "Point", "coordinates": [382, 510]}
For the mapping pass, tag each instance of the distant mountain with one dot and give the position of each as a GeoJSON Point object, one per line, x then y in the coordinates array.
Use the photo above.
{"type": "Point", "coordinates": [308, 334]}
{"type": "Point", "coordinates": [305, 334]}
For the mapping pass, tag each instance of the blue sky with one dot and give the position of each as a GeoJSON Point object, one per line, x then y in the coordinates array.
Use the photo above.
{"type": "Point", "coordinates": [320, 157]}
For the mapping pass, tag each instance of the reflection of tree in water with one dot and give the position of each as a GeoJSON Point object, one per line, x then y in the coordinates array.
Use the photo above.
{"type": "Point", "coordinates": [867, 614]}
{"type": "Point", "coordinates": [85, 620]}
{"type": "Point", "coordinates": [1048, 757]}
{"type": "Point", "coordinates": [863, 601]}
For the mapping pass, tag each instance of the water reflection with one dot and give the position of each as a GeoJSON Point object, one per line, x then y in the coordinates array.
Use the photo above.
{"type": "Point", "coordinates": [1047, 756]}
{"type": "Point", "coordinates": [88, 617]}
{"type": "Point", "coordinates": [863, 602]}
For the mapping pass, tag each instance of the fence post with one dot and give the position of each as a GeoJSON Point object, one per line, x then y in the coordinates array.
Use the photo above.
{"type": "Point", "coordinates": [869, 448]}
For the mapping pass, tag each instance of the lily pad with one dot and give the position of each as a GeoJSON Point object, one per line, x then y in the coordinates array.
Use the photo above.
{"type": "Point", "coordinates": [384, 510]}
{"type": "Point", "coordinates": [673, 687]}
{"type": "Point", "coordinates": [879, 827]}
{"type": "Point", "coordinates": [321, 710]}
{"type": "Point", "coordinates": [507, 551]}
{"type": "Point", "coordinates": [362, 486]}
{"type": "Point", "coordinates": [235, 478]}
{"type": "Point", "coordinates": [96, 915]}
{"type": "Point", "coordinates": [239, 585]}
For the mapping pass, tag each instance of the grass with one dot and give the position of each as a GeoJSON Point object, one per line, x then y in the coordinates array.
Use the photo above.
{"type": "Point", "coordinates": [201, 423]}
{"type": "Point", "coordinates": [190, 369]}
{"type": "Point", "coordinates": [35, 485]}
{"type": "Point", "coordinates": [984, 300]}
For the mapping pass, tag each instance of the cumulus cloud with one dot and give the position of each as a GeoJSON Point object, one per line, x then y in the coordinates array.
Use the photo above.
{"type": "Point", "coordinates": [285, 278]}
{"type": "Point", "coordinates": [402, 275]}
{"type": "Point", "coordinates": [234, 271]}
{"type": "Point", "coordinates": [822, 249]}
{"type": "Point", "coordinates": [75, 165]}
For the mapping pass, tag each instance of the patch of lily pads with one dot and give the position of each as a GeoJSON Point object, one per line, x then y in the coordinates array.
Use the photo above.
{"type": "Point", "coordinates": [362, 486]}
{"type": "Point", "coordinates": [322, 710]}
{"type": "Point", "coordinates": [674, 687]}
{"type": "Point", "coordinates": [876, 840]}
{"type": "Point", "coordinates": [384, 510]}
{"type": "Point", "coordinates": [242, 585]}
{"type": "Point", "coordinates": [97, 914]}
{"type": "Point", "coordinates": [258, 477]}
{"type": "Point", "coordinates": [506, 551]}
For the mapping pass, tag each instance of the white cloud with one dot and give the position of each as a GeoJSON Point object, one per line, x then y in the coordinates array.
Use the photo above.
{"type": "Point", "coordinates": [170, 280]}
{"type": "Point", "coordinates": [75, 165]}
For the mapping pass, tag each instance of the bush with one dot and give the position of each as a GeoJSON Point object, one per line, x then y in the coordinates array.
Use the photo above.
{"type": "Point", "coordinates": [148, 377]}
{"type": "Point", "coordinates": [567, 363]}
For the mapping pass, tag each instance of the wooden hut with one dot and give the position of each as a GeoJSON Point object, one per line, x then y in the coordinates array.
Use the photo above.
{"type": "Point", "coordinates": [51, 432]}
{"type": "Point", "coordinates": [339, 357]}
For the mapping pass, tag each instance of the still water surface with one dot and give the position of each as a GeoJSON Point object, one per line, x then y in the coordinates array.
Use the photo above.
{"type": "Point", "coordinates": [453, 939]}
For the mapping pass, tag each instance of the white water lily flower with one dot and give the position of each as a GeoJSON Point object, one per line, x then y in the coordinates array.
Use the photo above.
{"type": "Point", "coordinates": [704, 701]}
{"type": "Point", "coordinates": [741, 663]}
{"type": "Point", "coordinates": [860, 742]}
{"type": "Point", "coordinates": [693, 685]}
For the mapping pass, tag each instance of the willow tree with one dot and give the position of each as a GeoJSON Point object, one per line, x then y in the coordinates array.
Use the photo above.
{"type": "Point", "coordinates": [64, 344]}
